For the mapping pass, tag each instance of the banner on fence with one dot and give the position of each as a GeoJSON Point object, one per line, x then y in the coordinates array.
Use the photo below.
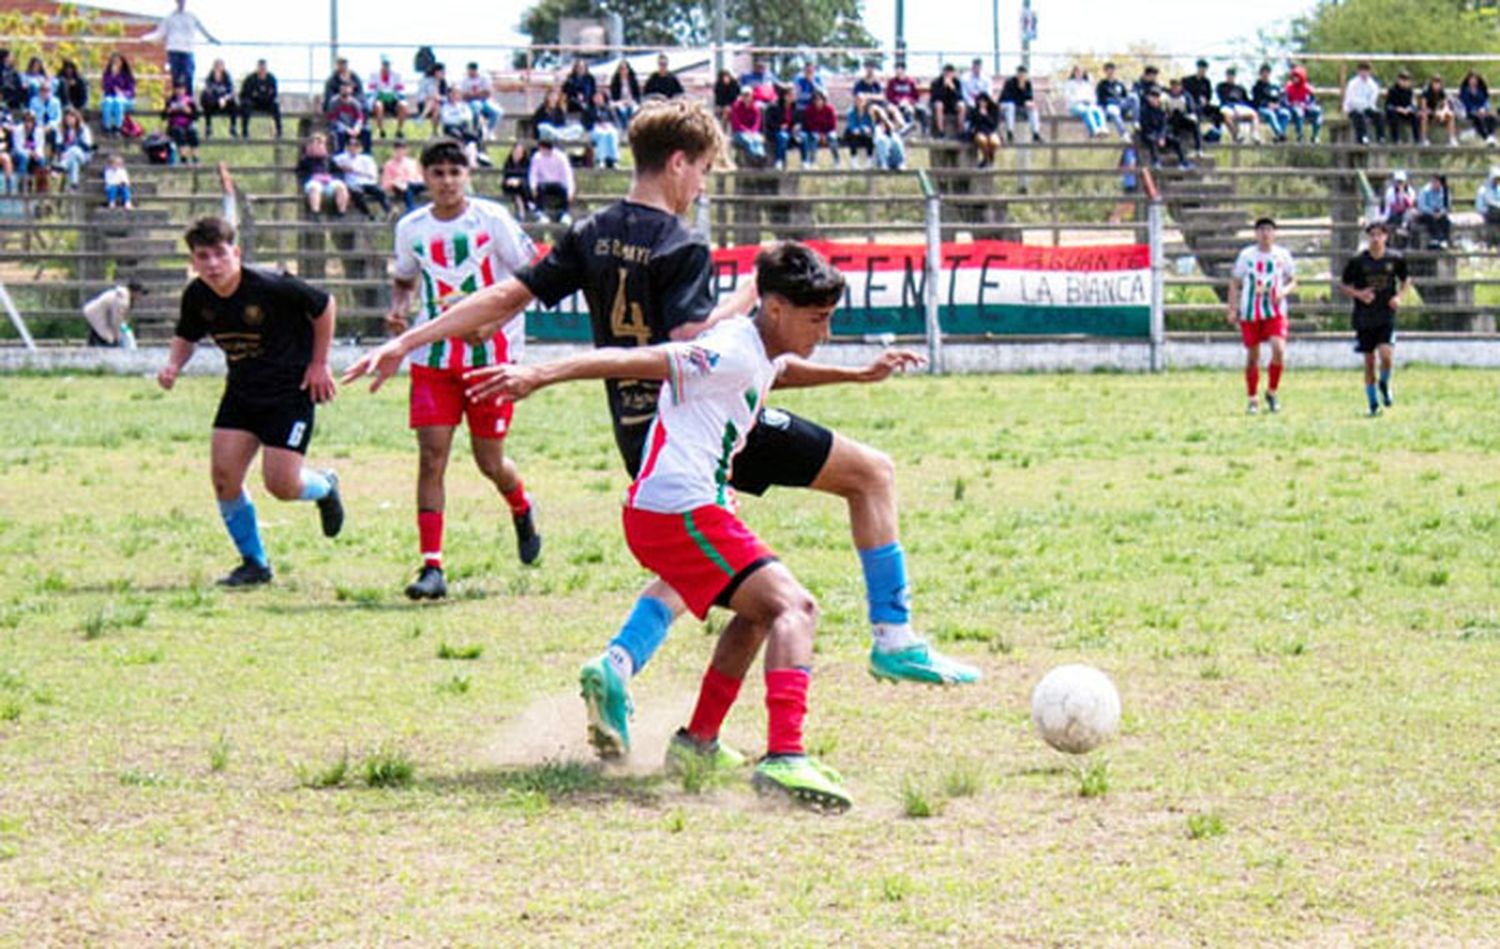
{"type": "Point", "coordinates": [985, 288]}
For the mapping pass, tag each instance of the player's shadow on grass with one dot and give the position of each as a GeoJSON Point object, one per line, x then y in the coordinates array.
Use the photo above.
{"type": "Point", "coordinates": [557, 783]}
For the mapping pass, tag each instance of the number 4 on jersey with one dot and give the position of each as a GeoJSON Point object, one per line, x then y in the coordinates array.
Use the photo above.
{"type": "Point", "coordinates": [626, 318]}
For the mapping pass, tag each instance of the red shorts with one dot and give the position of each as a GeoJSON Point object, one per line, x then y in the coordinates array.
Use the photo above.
{"type": "Point", "coordinates": [1254, 332]}
{"type": "Point", "coordinates": [704, 554]}
{"type": "Point", "coordinates": [437, 398]}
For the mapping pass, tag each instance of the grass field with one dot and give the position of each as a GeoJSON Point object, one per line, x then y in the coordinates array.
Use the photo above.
{"type": "Point", "coordinates": [1300, 612]}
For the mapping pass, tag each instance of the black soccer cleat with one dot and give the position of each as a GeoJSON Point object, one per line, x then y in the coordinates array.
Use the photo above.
{"type": "Point", "coordinates": [1273, 404]}
{"type": "Point", "coordinates": [331, 507]}
{"type": "Point", "coordinates": [247, 574]}
{"type": "Point", "coordinates": [429, 584]}
{"type": "Point", "coordinates": [528, 541]}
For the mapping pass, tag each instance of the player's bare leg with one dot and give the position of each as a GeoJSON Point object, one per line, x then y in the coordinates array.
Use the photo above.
{"type": "Point", "coordinates": [489, 455]}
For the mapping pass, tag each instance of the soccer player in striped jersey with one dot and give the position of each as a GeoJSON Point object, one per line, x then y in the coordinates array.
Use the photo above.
{"type": "Point", "coordinates": [445, 251]}
{"type": "Point", "coordinates": [1264, 276]}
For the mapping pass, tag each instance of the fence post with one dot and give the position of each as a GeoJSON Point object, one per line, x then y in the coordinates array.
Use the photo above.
{"type": "Point", "coordinates": [934, 204]}
{"type": "Point", "coordinates": [1158, 289]}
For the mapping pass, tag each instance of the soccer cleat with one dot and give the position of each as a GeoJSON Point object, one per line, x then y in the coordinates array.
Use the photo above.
{"type": "Point", "coordinates": [1253, 408]}
{"type": "Point", "coordinates": [1385, 394]}
{"type": "Point", "coordinates": [528, 541]}
{"type": "Point", "coordinates": [607, 698]}
{"type": "Point", "coordinates": [684, 753]}
{"type": "Point", "coordinates": [919, 662]}
{"type": "Point", "coordinates": [803, 780]}
{"type": "Point", "coordinates": [1273, 404]}
{"type": "Point", "coordinates": [331, 507]}
{"type": "Point", "coordinates": [247, 574]}
{"type": "Point", "coordinates": [429, 584]}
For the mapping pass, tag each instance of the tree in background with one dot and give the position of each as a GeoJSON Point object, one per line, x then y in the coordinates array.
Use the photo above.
{"type": "Point", "coordinates": [1397, 26]}
{"type": "Point", "coordinates": [54, 41]}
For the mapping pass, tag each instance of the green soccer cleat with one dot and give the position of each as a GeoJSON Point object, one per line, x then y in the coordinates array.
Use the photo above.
{"type": "Point", "coordinates": [607, 698]}
{"type": "Point", "coordinates": [803, 780]}
{"type": "Point", "coordinates": [919, 662]}
{"type": "Point", "coordinates": [686, 753]}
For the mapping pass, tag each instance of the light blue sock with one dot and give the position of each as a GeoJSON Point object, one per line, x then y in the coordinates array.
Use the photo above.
{"type": "Point", "coordinates": [885, 583]}
{"type": "Point", "coordinates": [644, 631]}
{"type": "Point", "coordinates": [239, 517]}
{"type": "Point", "coordinates": [315, 484]}
{"type": "Point", "coordinates": [1370, 395]}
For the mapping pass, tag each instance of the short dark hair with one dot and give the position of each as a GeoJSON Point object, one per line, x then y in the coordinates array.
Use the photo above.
{"type": "Point", "coordinates": [1201, 64]}
{"type": "Point", "coordinates": [798, 274]}
{"type": "Point", "coordinates": [1264, 222]}
{"type": "Point", "coordinates": [1109, 65]}
{"type": "Point", "coordinates": [209, 231]}
{"type": "Point", "coordinates": [443, 151]}
{"type": "Point", "coordinates": [137, 288]}
{"type": "Point", "coordinates": [1378, 225]}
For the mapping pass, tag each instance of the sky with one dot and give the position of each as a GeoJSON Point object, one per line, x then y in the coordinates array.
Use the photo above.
{"type": "Point", "coordinates": [1181, 27]}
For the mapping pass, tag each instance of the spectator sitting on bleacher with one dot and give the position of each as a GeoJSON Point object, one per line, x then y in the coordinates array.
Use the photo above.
{"type": "Point", "coordinates": [604, 133]}
{"type": "Point", "coordinates": [859, 131]}
{"type": "Point", "coordinates": [902, 92]}
{"type": "Point", "coordinates": [316, 179]}
{"type": "Point", "coordinates": [1236, 108]}
{"type": "Point", "coordinates": [820, 126]}
{"type": "Point", "coordinates": [47, 109]}
{"type": "Point", "coordinates": [12, 89]}
{"type": "Point", "coordinates": [984, 128]}
{"type": "Point", "coordinates": [116, 182]}
{"type": "Point", "coordinates": [779, 123]}
{"type": "Point", "coordinates": [1109, 94]}
{"type": "Point", "coordinates": [342, 76]}
{"type": "Point", "coordinates": [1182, 116]}
{"type": "Point", "coordinates": [401, 176]}
{"type": "Point", "coordinates": [550, 178]}
{"type": "Point", "coordinates": [75, 145]}
{"type": "Point", "coordinates": [726, 92]}
{"type": "Point", "coordinates": [36, 78]}
{"type": "Point", "coordinates": [116, 94]}
{"type": "Point", "coordinates": [1434, 205]}
{"type": "Point", "coordinates": [1078, 92]}
{"type": "Point", "coordinates": [1150, 79]}
{"type": "Point", "coordinates": [515, 180]}
{"type": "Point", "coordinates": [1437, 106]}
{"type": "Point", "coordinates": [1201, 88]}
{"type": "Point", "coordinates": [479, 93]}
{"type": "Point", "coordinates": [181, 115]}
{"type": "Point", "coordinates": [1474, 96]}
{"type": "Point", "coordinates": [806, 84]}
{"type": "Point", "coordinates": [869, 84]}
{"type": "Point", "coordinates": [1016, 95]}
{"type": "Point", "coordinates": [258, 93]}
{"type": "Point", "coordinates": [30, 146]}
{"type": "Point", "coordinates": [180, 29]}
{"type": "Point", "coordinates": [386, 95]}
{"type": "Point", "coordinates": [662, 82]}
{"type": "Point", "coordinates": [745, 129]}
{"type": "Point", "coordinates": [1398, 205]}
{"type": "Point", "coordinates": [974, 83]}
{"type": "Point", "coordinates": [551, 123]}
{"type": "Point", "coordinates": [346, 118]}
{"type": "Point", "coordinates": [1362, 105]}
{"type": "Point", "coordinates": [1269, 100]}
{"type": "Point", "coordinates": [456, 120]}
{"type": "Point", "coordinates": [890, 151]}
{"type": "Point", "coordinates": [1401, 109]}
{"type": "Point", "coordinates": [361, 177]}
{"type": "Point", "coordinates": [1156, 133]}
{"type": "Point", "coordinates": [624, 92]}
{"type": "Point", "coordinates": [8, 183]}
{"type": "Point", "coordinates": [1487, 203]}
{"type": "Point", "coordinates": [432, 92]}
{"type": "Point", "coordinates": [1303, 102]}
{"type": "Point", "coordinates": [946, 100]}
{"type": "Point", "coordinates": [72, 89]}
{"type": "Point", "coordinates": [218, 98]}
{"type": "Point", "coordinates": [578, 88]}
{"type": "Point", "coordinates": [757, 76]}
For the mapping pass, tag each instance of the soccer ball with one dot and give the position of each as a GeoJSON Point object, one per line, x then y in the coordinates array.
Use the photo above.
{"type": "Point", "coordinates": [1075, 708]}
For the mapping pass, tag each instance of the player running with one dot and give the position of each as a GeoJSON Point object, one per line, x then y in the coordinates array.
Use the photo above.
{"type": "Point", "coordinates": [275, 331]}
{"type": "Point", "coordinates": [1264, 276]}
{"type": "Point", "coordinates": [456, 246]}
{"type": "Point", "coordinates": [1375, 281]}
{"type": "Point", "coordinates": [647, 279]}
{"type": "Point", "coordinates": [679, 514]}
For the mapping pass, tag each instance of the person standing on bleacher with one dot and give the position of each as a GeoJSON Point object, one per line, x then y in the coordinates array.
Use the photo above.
{"type": "Point", "coordinates": [180, 29]}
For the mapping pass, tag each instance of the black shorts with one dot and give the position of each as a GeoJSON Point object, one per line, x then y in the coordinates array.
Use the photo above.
{"type": "Point", "coordinates": [286, 424]}
{"type": "Point", "coordinates": [1371, 337]}
{"type": "Point", "coordinates": [782, 449]}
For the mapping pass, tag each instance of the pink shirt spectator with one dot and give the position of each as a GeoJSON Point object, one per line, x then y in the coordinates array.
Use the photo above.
{"type": "Point", "coordinates": [550, 166]}
{"type": "Point", "coordinates": [400, 172]}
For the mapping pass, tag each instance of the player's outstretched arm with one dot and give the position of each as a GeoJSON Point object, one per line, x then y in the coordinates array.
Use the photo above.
{"type": "Point", "coordinates": [514, 382]}
{"type": "Point", "coordinates": [799, 373]}
{"type": "Point", "coordinates": [499, 303]}
{"type": "Point", "coordinates": [178, 355]}
{"type": "Point", "coordinates": [318, 379]}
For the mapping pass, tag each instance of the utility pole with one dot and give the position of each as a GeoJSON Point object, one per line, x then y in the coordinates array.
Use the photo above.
{"type": "Point", "coordinates": [333, 32]}
{"type": "Point", "coordinates": [900, 33]}
{"type": "Point", "coordinates": [1028, 32]}
{"type": "Point", "coordinates": [995, 9]}
{"type": "Point", "coordinates": [718, 38]}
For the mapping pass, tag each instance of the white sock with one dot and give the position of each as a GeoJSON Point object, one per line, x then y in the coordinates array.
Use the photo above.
{"type": "Point", "coordinates": [890, 637]}
{"type": "Point", "coordinates": [623, 665]}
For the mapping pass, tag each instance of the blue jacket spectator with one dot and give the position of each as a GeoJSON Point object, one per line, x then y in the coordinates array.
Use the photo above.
{"type": "Point", "coordinates": [1474, 96]}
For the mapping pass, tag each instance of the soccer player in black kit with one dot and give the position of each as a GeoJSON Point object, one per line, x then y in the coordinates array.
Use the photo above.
{"type": "Point", "coordinates": [1376, 281]}
{"type": "Point", "coordinates": [647, 280]}
{"type": "Point", "coordinates": [275, 331]}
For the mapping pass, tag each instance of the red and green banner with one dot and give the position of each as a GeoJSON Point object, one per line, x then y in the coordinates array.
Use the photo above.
{"type": "Point", "coordinates": [985, 288]}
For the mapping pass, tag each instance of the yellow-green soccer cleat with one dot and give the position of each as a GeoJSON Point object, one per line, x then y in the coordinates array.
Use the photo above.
{"type": "Point", "coordinates": [805, 781]}
{"type": "Point", "coordinates": [686, 753]}
{"type": "Point", "coordinates": [607, 698]}
{"type": "Point", "coordinates": [919, 662]}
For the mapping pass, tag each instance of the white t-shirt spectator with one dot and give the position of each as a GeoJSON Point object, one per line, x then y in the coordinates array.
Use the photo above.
{"type": "Point", "coordinates": [179, 29]}
{"type": "Point", "coordinates": [971, 86]}
{"type": "Point", "coordinates": [476, 87]}
{"type": "Point", "coordinates": [359, 170]}
{"type": "Point", "coordinates": [1362, 94]}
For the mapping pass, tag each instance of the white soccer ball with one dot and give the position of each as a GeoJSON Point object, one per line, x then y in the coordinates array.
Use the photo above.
{"type": "Point", "coordinates": [1075, 708]}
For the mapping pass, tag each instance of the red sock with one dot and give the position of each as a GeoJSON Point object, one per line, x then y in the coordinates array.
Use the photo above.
{"type": "Point", "coordinates": [786, 704]}
{"type": "Point", "coordinates": [1275, 380]}
{"type": "Point", "coordinates": [517, 499]}
{"type": "Point", "coordinates": [714, 699]}
{"type": "Point", "coordinates": [1252, 378]}
{"type": "Point", "coordinates": [430, 533]}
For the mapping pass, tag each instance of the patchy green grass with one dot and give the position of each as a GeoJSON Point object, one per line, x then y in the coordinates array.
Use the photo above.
{"type": "Point", "coordinates": [1299, 611]}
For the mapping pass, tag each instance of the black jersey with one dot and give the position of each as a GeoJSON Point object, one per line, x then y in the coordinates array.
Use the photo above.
{"type": "Point", "coordinates": [643, 275]}
{"type": "Point", "coordinates": [1385, 277]}
{"type": "Point", "coordinates": [265, 329]}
